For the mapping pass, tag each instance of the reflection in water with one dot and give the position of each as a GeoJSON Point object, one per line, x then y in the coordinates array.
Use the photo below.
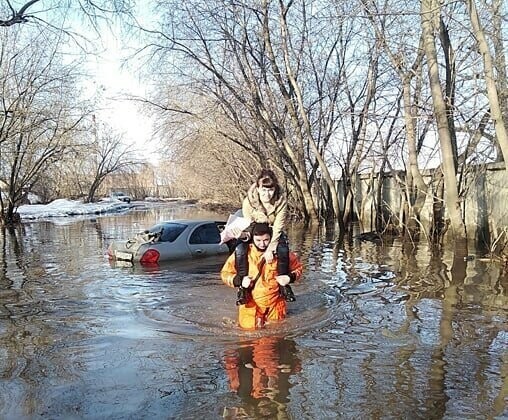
{"type": "Point", "coordinates": [378, 331]}
{"type": "Point", "coordinates": [259, 371]}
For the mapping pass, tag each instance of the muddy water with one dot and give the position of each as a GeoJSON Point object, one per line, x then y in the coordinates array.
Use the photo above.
{"type": "Point", "coordinates": [378, 331]}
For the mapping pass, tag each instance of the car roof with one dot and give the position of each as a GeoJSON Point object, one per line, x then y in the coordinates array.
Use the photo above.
{"type": "Point", "coordinates": [190, 221]}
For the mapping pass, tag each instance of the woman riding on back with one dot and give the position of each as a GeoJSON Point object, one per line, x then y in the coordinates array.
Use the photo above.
{"type": "Point", "coordinates": [266, 203]}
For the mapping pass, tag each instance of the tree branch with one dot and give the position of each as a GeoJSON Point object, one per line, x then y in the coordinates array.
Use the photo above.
{"type": "Point", "coordinates": [19, 16]}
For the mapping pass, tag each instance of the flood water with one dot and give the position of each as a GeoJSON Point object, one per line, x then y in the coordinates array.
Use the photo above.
{"type": "Point", "coordinates": [377, 331]}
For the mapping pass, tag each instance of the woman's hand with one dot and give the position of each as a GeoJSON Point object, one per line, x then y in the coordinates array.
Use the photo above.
{"type": "Point", "coordinates": [268, 255]}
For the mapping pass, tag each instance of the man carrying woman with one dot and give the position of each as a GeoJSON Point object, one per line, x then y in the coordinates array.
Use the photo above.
{"type": "Point", "coordinates": [262, 279]}
{"type": "Point", "coordinates": [265, 203]}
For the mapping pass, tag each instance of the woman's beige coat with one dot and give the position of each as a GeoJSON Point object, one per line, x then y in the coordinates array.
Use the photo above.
{"type": "Point", "coordinates": [253, 209]}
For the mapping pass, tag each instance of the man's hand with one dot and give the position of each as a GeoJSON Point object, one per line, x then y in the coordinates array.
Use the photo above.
{"type": "Point", "coordinates": [283, 280]}
{"type": "Point", "coordinates": [246, 281]}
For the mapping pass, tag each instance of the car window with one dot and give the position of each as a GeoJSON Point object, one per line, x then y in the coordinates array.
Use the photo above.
{"type": "Point", "coordinates": [170, 231]}
{"type": "Point", "coordinates": [205, 234]}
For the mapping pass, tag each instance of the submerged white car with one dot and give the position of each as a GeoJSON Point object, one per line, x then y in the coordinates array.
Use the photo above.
{"type": "Point", "coordinates": [172, 240]}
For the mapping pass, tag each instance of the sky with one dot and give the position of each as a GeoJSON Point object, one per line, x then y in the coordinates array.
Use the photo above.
{"type": "Point", "coordinates": [113, 82]}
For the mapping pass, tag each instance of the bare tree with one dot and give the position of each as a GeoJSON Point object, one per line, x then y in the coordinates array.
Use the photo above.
{"type": "Point", "coordinates": [107, 154]}
{"type": "Point", "coordinates": [490, 79]}
{"type": "Point", "coordinates": [498, 20]}
{"type": "Point", "coordinates": [205, 158]}
{"type": "Point", "coordinates": [430, 15]}
{"type": "Point", "coordinates": [415, 188]}
{"type": "Point", "coordinates": [276, 81]}
{"type": "Point", "coordinates": [38, 114]}
{"type": "Point", "coordinates": [359, 123]}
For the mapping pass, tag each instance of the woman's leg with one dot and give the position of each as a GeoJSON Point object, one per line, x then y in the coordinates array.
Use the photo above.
{"type": "Point", "coordinates": [242, 270]}
{"type": "Point", "coordinates": [241, 262]}
{"type": "Point", "coordinates": [283, 267]}
{"type": "Point", "coordinates": [283, 255]}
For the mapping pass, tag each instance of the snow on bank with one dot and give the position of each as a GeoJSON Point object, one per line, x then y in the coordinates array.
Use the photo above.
{"type": "Point", "coordinates": [65, 208]}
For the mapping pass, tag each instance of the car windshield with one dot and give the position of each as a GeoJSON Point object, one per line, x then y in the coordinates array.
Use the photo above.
{"type": "Point", "coordinates": [170, 231]}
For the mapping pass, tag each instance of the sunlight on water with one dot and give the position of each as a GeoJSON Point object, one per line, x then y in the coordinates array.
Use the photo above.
{"type": "Point", "coordinates": [377, 331]}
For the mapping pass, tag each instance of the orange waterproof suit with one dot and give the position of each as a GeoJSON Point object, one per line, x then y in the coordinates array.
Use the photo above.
{"type": "Point", "coordinates": [266, 302]}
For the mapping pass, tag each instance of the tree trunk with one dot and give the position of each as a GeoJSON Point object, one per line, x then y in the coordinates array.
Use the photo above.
{"type": "Point", "coordinates": [416, 187]}
{"type": "Point", "coordinates": [349, 198]}
{"type": "Point", "coordinates": [430, 11]}
{"type": "Point", "coordinates": [499, 56]}
{"type": "Point", "coordinates": [450, 76]}
{"type": "Point", "coordinates": [9, 215]}
{"type": "Point", "coordinates": [490, 80]}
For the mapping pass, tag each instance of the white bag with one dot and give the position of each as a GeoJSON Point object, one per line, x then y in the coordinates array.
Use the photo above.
{"type": "Point", "coordinates": [234, 225]}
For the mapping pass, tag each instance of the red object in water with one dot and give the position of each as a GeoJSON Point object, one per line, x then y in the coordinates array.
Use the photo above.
{"type": "Point", "coordinates": [150, 256]}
